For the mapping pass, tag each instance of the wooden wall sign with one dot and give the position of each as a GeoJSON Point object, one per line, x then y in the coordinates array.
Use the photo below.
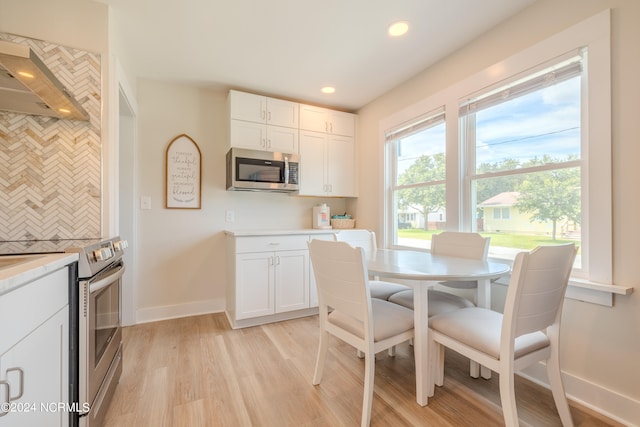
{"type": "Point", "coordinates": [183, 179]}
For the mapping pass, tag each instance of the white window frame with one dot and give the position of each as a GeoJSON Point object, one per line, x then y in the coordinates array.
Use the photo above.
{"type": "Point", "coordinates": [594, 34]}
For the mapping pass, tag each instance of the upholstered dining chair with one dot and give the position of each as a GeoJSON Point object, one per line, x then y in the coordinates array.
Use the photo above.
{"type": "Point", "coordinates": [380, 289]}
{"type": "Point", "coordinates": [348, 312]}
{"type": "Point", "coordinates": [526, 333]}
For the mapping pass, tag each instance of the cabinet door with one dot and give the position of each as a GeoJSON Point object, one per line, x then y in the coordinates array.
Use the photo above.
{"type": "Point", "coordinates": [313, 118]}
{"type": "Point", "coordinates": [341, 123]}
{"type": "Point", "coordinates": [292, 280]}
{"type": "Point", "coordinates": [248, 135]}
{"type": "Point", "coordinates": [319, 119]}
{"type": "Point", "coordinates": [340, 163]}
{"type": "Point", "coordinates": [281, 139]}
{"type": "Point", "coordinates": [282, 113]}
{"type": "Point", "coordinates": [254, 285]}
{"type": "Point", "coordinates": [247, 107]}
{"type": "Point", "coordinates": [312, 154]}
{"type": "Point", "coordinates": [43, 359]}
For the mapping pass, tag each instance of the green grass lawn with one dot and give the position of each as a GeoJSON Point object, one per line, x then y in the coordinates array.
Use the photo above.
{"type": "Point", "coordinates": [497, 239]}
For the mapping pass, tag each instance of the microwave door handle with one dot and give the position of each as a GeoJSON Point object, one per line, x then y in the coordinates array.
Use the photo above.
{"type": "Point", "coordinates": [286, 170]}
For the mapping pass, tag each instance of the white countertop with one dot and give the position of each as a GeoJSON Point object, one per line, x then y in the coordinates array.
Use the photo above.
{"type": "Point", "coordinates": [30, 268]}
{"type": "Point", "coordinates": [240, 233]}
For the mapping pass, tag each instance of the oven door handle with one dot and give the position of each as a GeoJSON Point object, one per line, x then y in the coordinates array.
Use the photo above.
{"type": "Point", "coordinates": [103, 283]}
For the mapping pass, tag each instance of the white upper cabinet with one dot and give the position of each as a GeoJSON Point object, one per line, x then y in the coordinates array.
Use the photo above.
{"type": "Point", "coordinates": [327, 152]}
{"type": "Point", "coordinates": [323, 120]}
{"type": "Point", "coordinates": [256, 136]}
{"type": "Point", "coordinates": [327, 165]}
{"type": "Point", "coordinates": [261, 109]}
{"type": "Point", "coordinates": [263, 123]}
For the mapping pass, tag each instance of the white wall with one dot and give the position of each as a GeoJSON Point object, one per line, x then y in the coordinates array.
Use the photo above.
{"type": "Point", "coordinates": [75, 23]}
{"type": "Point", "coordinates": [600, 345]}
{"type": "Point", "coordinates": [182, 260]}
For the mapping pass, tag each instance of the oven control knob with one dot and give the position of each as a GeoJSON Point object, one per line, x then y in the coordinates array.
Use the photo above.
{"type": "Point", "coordinates": [120, 245]}
{"type": "Point", "coordinates": [102, 254]}
{"type": "Point", "coordinates": [97, 255]}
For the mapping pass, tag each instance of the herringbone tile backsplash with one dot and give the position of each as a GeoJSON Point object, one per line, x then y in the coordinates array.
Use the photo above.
{"type": "Point", "coordinates": [50, 169]}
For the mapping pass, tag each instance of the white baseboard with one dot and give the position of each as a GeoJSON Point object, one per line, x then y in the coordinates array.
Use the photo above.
{"type": "Point", "coordinates": [154, 314]}
{"type": "Point", "coordinates": [609, 403]}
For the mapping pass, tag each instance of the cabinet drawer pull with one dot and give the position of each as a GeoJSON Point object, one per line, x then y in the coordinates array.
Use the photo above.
{"type": "Point", "coordinates": [20, 382]}
{"type": "Point", "coordinates": [4, 408]}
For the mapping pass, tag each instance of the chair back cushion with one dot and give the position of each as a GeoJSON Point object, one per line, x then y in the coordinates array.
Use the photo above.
{"type": "Point", "coordinates": [460, 244]}
{"type": "Point", "coordinates": [536, 291]}
{"type": "Point", "coordinates": [364, 239]}
{"type": "Point", "coordinates": [341, 277]}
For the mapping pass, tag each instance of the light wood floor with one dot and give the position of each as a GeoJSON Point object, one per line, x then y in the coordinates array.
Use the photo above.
{"type": "Point", "coordinates": [199, 372]}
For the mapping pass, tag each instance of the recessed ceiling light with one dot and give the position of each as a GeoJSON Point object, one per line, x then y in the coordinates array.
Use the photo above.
{"type": "Point", "coordinates": [328, 89]}
{"type": "Point", "coordinates": [398, 28]}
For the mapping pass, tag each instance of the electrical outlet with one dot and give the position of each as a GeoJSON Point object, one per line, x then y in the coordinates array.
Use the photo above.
{"type": "Point", "coordinates": [230, 216]}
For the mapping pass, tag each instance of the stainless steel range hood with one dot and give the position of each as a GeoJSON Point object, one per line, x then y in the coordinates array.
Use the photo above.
{"type": "Point", "coordinates": [27, 86]}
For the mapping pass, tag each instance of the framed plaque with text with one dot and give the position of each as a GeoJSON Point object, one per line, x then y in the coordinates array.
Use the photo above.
{"type": "Point", "coordinates": [183, 180]}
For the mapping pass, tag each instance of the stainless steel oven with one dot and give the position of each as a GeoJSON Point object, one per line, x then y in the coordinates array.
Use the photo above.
{"type": "Point", "coordinates": [98, 341]}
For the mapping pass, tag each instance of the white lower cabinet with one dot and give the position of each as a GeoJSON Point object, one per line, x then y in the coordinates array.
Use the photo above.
{"type": "Point", "coordinates": [34, 353]}
{"type": "Point", "coordinates": [268, 276]}
{"type": "Point", "coordinates": [271, 282]}
{"type": "Point", "coordinates": [269, 279]}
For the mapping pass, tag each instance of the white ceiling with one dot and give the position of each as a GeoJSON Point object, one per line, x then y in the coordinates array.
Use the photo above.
{"type": "Point", "coordinates": [291, 48]}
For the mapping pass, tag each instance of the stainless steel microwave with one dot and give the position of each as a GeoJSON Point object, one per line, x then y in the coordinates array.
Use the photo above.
{"type": "Point", "coordinates": [254, 170]}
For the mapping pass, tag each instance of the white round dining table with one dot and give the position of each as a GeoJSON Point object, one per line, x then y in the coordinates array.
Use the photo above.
{"type": "Point", "coordinates": [420, 269]}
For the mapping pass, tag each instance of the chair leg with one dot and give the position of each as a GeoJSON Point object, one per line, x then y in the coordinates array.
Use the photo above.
{"type": "Point", "coordinates": [436, 366]}
{"type": "Point", "coordinates": [360, 354]}
{"type": "Point", "coordinates": [433, 367]}
{"type": "Point", "coordinates": [369, 375]}
{"type": "Point", "coordinates": [322, 355]}
{"type": "Point", "coordinates": [557, 388]}
{"type": "Point", "coordinates": [474, 369]}
{"type": "Point", "coordinates": [391, 351]}
{"type": "Point", "coordinates": [508, 398]}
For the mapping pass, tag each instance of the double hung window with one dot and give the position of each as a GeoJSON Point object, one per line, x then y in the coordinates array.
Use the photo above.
{"type": "Point", "coordinates": [418, 194]}
{"type": "Point", "coordinates": [523, 161]}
